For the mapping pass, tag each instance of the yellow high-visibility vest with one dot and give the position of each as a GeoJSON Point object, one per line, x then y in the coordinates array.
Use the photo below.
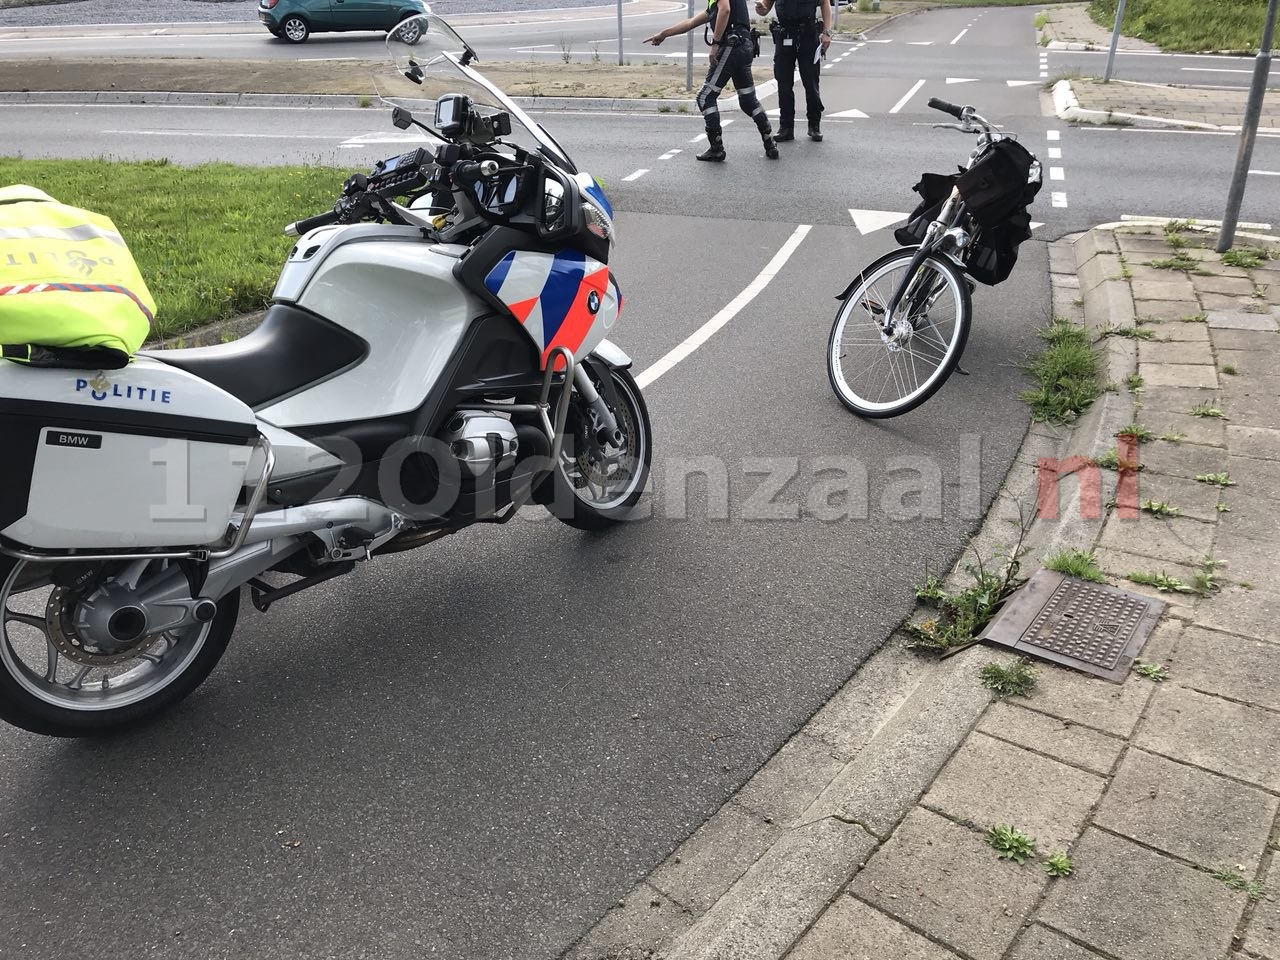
{"type": "Point", "coordinates": [67, 283]}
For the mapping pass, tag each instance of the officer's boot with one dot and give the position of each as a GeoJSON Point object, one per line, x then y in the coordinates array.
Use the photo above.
{"type": "Point", "coordinates": [766, 136]}
{"type": "Point", "coordinates": [815, 131]}
{"type": "Point", "coordinates": [785, 133]}
{"type": "Point", "coordinates": [715, 148]}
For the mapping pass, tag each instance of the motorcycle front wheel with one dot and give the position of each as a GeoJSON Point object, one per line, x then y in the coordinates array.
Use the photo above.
{"type": "Point", "coordinates": [883, 373]}
{"type": "Point", "coordinates": [55, 683]}
{"type": "Point", "coordinates": [597, 484]}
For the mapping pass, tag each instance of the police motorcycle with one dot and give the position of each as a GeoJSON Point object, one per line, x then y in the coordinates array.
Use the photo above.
{"type": "Point", "coordinates": [435, 357]}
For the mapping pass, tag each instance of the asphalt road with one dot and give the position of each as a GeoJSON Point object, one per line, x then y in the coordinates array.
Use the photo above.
{"type": "Point", "coordinates": [473, 750]}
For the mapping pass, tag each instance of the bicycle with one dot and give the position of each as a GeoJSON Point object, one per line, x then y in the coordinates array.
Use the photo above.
{"type": "Point", "coordinates": [909, 311]}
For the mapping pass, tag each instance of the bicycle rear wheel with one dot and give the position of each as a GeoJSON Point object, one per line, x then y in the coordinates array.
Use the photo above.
{"type": "Point", "coordinates": [877, 374]}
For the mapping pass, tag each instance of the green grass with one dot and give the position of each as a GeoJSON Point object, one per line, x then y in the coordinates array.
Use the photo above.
{"type": "Point", "coordinates": [1179, 261]}
{"type": "Point", "coordinates": [1066, 374]}
{"type": "Point", "coordinates": [1252, 888]}
{"type": "Point", "coordinates": [1247, 257]}
{"type": "Point", "coordinates": [1081, 564]}
{"type": "Point", "coordinates": [1016, 680]}
{"type": "Point", "coordinates": [1160, 581]}
{"type": "Point", "coordinates": [1138, 432]}
{"type": "Point", "coordinates": [1188, 25]}
{"type": "Point", "coordinates": [208, 239]}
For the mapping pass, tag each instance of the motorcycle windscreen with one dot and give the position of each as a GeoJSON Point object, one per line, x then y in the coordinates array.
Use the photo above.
{"type": "Point", "coordinates": [562, 300]}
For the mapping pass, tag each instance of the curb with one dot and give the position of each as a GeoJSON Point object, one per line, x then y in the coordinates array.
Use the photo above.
{"type": "Point", "coordinates": [1067, 107]}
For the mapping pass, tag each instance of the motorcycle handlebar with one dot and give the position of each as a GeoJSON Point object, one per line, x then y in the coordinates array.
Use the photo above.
{"type": "Point", "coordinates": [299, 227]}
{"type": "Point", "coordinates": [945, 107]}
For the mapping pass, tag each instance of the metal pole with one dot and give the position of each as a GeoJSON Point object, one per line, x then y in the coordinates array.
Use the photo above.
{"type": "Point", "coordinates": [1248, 132]}
{"type": "Point", "coordinates": [1115, 39]}
{"type": "Point", "coordinates": [619, 32]}
{"type": "Point", "coordinates": [688, 56]}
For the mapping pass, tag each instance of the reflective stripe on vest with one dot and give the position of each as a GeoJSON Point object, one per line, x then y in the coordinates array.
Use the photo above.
{"type": "Point", "coordinates": [78, 288]}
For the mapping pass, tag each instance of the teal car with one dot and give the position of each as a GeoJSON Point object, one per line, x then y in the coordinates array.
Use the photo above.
{"type": "Point", "coordinates": [295, 20]}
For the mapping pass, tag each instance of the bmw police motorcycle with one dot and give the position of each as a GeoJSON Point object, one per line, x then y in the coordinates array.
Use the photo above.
{"type": "Point", "coordinates": [436, 356]}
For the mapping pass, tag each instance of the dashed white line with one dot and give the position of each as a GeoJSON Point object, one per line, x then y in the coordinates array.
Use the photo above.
{"type": "Point", "coordinates": [669, 154]}
{"type": "Point", "coordinates": [1058, 199]}
{"type": "Point", "coordinates": [910, 93]}
{"type": "Point", "coordinates": [1264, 173]}
{"type": "Point", "coordinates": [634, 176]}
{"type": "Point", "coordinates": [709, 329]}
{"type": "Point", "coordinates": [1056, 173]}
{"type": "Point", "coordinates": [1054, 134]}
{"type": "Point", "coordinates": [1055, 153]}
{"type": "Point", "coordinates": [959, 35]}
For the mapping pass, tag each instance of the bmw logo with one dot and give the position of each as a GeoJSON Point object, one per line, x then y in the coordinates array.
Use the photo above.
{"type": "Point", "coordinates": [593, 302]}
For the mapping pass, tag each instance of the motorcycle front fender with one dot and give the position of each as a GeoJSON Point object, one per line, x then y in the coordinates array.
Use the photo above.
{"type": "Point", "coordinates": [612, 355]}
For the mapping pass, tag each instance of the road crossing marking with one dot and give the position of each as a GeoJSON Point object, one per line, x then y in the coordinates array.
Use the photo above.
{"type": "Point", "coordinates": [959, 35]}
{"type": "Point", "coordinates": [1055, 153]}
{"type": "Point", "coordinates": [1264, 173]}
{"type": "Point", "coordinates": [920, 43]}
{"type": "Point", "coordinates": [1057, 173]}
{"type": "Point", "coordinates": [1055, 134]}
{"type": "Point", "coordinates": [709, 329]}
{"type": "Point", "coordinates": [1021, 83]}
{"type": "Point", "coordinates": [634, 176]}
{"type": "Point", "coordinates": [962, 79]}
{"type": "Point", "coordinates": [869, 221]}
{"type": "Point", "coordinates": [847, 115]}
{"type": "Point", "coordinates": [910, 93]}
{"type": "Point", "coordinates": [1059, 199]}
{"type": "Point", "coordinates": [669, 154]}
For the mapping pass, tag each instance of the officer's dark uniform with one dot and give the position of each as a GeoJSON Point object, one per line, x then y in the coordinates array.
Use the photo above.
{"type": "Point", "coordinates": [796, 40]}
{"type": "Point", "coordinates": [734, 55]}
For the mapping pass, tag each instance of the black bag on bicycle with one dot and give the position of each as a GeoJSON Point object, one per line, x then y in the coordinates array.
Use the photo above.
{"type": "Point", "coordinates": [994, 187]}
{"type": "Point", "coordinates": [934, 188]}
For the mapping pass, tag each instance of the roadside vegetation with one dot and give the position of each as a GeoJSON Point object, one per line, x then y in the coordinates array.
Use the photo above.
{"type": "Point", "coordinates": [1188, 25]}
{"type": "Point", "coordinates": [208, 239]}
{"type": "Point", "coordinates": [1066, 374]}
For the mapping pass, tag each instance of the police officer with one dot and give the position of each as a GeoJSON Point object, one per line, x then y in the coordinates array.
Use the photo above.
{"type": "Point", "coordinates": [732, 50]}
{"type": "Point", "coordinates": [798, 39]}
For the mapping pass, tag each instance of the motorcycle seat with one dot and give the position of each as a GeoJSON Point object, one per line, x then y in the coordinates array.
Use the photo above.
{"type": "Point", "coordinates": [290, 350]}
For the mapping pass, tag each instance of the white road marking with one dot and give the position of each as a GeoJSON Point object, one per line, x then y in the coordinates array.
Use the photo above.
{"type": "Point", "coordinates": [699, 138]}
{"type": "Point", "coordinates": [1035, 224]}
{"type": "Point", "coordinates": [634, 176]}
{"type": "Point", "coordinates": [1057, 173]}
{"type": "Point", "coordinates": [869, 221]}
{"type": "Point", "coordinates": [709, 329]}
{"type": "Point", "coordinates": [1213, 70]}
{"type": "Point", "coordinates": [1054, 134]}
{"type": "Point", "coordinates": [920, 43]}
{"type": "Point", "coordinates": [669, 154]}
{"type": "Point", "coordinates": [1141, 218]}
{"type": "Point", "coordinates": [1265, 173]}
{"type": "Point", "coordinates": [910, 93]}
{"type": "Point", "coordinates": [962, 79]}
{"type": "Point", "coordinates": [209, 135]}
{"type": "Point", "coordinates": [1059, 199]}
{"type": "Point", "coordinates": [1055, 153]}
{"type": "Point", "coordinates": [847, 115]}
{"type": "Point", "coordinates": [959, 35]}
{"type": "Point", "coordinates": [1021, 83]}
{"type": "Point", "coordinates": [827, 66]}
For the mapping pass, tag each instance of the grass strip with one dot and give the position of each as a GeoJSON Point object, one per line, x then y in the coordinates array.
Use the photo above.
{"type": "Point", "coordinates": [1066, 374]}
{"type": "Point", "coordinates": [208, 239]}
{"type": "Point", "coordinates": [1188, 25]}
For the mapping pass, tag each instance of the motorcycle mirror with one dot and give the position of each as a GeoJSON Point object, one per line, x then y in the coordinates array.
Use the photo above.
{"type": "Point", "coordinates": [414, 72]}
{"type": "Point", "coordinates": [401, 117]}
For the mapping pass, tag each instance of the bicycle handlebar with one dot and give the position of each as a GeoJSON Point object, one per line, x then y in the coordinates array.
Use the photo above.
{"type": "Point", "coordinates": [945, 107]}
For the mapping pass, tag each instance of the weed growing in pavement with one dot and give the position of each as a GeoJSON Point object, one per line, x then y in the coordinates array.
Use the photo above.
{"type": "Point", "coordinates": [1158, 508]}
{"type": "Point", "coordinates": [1059, 77]}
{"type": "Point", "coordinates": [1194, 318]}
{"type": "Point", "coordinates": [1247, 257]}
{"type": "Point", "coordinates": [1058, 864]}
{"type": "Point", "coordinates": [1066, 374]}
{"type": "Point", "coordinates": [1125, 272]}
{"type": "Point", "coordinates": [1173, 230]}
{"type": "Point", "coordinates": [1134, 383]}
{"type": "Point", "coordinates": [1221, 507]}
{"type": "Point", "coordinates": [365, 103]}
{"type": "Point", "coordinates": [1016, 680]}
{"type": "Point", "coordinates": [1132, 333]}
{"type": "Point", "coordinates": [1155, 672]}
{"type": "Point", "coordinates": [1111, 461]}
{"type": "Point", "coordinates": [1139, 433]}
{"type": "Point", "coordinates": [1205, 581]}
{"type": "Point", "coordinates": [1081, 564]}
{"type": "Point", "coordinates": [1160, 581]}
{"type": "Point", "coordinates": [1216, 479]}
{"type": "Point", "coordinates": [1041, 19]}
{"type": "Point", "coordinates": [1172, 437]}
{"type": "Point", "coordinates": [1179, 261]}
{"type": "Point", "coordinates": [566, 49]}
{"type": "Point", "coordinates": [961, 616]}
{"type": "Point", "coordinates": [1209, 411]}
{"type": "Point", "coordinates": [1230, 369]}
{"type": "Point", "coordinates": [1235, 881]}
{"type": "Point", "coordinates": [1011, 843]}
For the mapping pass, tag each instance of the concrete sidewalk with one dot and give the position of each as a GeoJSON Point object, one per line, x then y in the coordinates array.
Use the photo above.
{"type": "Point", "coordinates": [863, 838]}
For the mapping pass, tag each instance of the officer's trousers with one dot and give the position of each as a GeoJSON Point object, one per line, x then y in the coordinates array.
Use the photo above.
{"type": "Point", "coordinates": [733, 64]}
{"type": "Point", "coordinates": [801, 52]}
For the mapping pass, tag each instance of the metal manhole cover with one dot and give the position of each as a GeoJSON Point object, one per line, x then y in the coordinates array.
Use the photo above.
{"type": "Point", "coordinates": [1086, 626]}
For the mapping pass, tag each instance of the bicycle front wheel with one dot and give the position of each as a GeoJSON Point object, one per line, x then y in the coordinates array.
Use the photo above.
{"type": "Point", "coordinates": [880, 370]}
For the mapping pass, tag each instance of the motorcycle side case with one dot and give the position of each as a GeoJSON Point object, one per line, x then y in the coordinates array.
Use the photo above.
{"type": "Point", "coordinates": [145, 456]}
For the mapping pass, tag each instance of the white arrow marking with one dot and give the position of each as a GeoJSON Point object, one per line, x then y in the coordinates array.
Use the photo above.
{"type": "Point", "coordinates": [962, 79]}
{"type": "Point", "coordinates": [869, 221]}
{"type": "Point", "coordinates": [1034, 224]}
{"type": "Point", "coordinates": [848, 115]}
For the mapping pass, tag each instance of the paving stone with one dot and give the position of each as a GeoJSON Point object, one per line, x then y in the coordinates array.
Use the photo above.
{"type": "Point", "coordinates": [1202, 430]}
{"type": "Point", "coordinates": [849, 720]}
{"type": "Point", "coordinates": [1235, 609]}
{"type": "Point", "coordinates": [718, 853]}
{"type": "Point", "coordinates": [1098, 270]}
{"type": "Point", "coordinates": [1137, 905]}
{"type": "Point", "coordinates": [1062, 259]}
{"type": "Point", "coordinates": [1091, 243]}
{"type": "Point", "coordinates": [1231, 286]}
{"type": "Point", "coordinates": [1107, 304]}
{"type": "Point", "coordinates": [1184, 459]}
{"type": "Point", "coordinates": [1251, 401]}
{"type": "Point", "coordinates": [1239, 668]}
{"type": "Point", "coordinates": [1111, 707]}
{"type": "Point", "coordinates": [1174, 399]}
{"type": "Point", "coordinates": [1251, 518]}
{"type": "Point", "coordinates": [791, 780]}
{"type": "Point", "coordinates": [1197, 816]}
{"type": "Point", "coordinates": [1241, 340]}
{"type": "Point", "coordinates": [989, 781]}
{"type": "Point", "coordinates": [1249, 563]}
{"type": "Point", "coordinates": [1176, 351]}
{"type": "Point", "coordinates": [1213, 733]}
{"type": "Point", "coordinates": [1263, 936]}
{"type": "Point", "coordinates": [646, 920]}
{"type": "Point", "coordinates": [851, 930]}
{"type": "Point", "coordinates": [1256, 442]}
{"type": "Point", "coordinates": [1061, 739]}
{"type": "Point", "coordinates": [1239, 320]}
{"type": "Point", "coordinates": [1168, 540]}
{"type": "Point", "coordinates": [942, 878]}
{"type": "Point", "coordinates": [780, 896]}
{"type": "Point", "coordinates": [1178, 374]}
{"type": "Point", "coordinates": [1253, 478]}
{"type": "Point", "coordinates": [1119, 565]}
{"type": "Point", "coordinates": [1259, 361]}
{"type": "Point", "coordinates": [1191, 497]}
{"type": "Point", "coordinates": [1041, 943]}
{"type": "Point", "coordinates": [1169, 315]}
{"type": "Point", "coordinates": [1226, 304]}
{"type": "Point", "coordinates": [1174, 287]}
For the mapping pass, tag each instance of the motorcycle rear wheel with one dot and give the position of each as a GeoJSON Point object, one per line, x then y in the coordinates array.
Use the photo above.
{"type": "Point", "coordinates": [596, 486]}
{"type": "Point", "coordinates": [50, 685]}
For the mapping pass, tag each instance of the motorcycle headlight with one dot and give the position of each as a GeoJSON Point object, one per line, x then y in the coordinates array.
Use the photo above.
{"type": "Point", "coordinates": [553, 211]}
{"type": "Point", "coordinates": [598, 221]}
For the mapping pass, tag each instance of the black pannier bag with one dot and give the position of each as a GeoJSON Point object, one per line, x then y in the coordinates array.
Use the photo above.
{"type": "Point", "coordinates": [991, 257]}
{"type": "Point", "coordinates": [993, 188]}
